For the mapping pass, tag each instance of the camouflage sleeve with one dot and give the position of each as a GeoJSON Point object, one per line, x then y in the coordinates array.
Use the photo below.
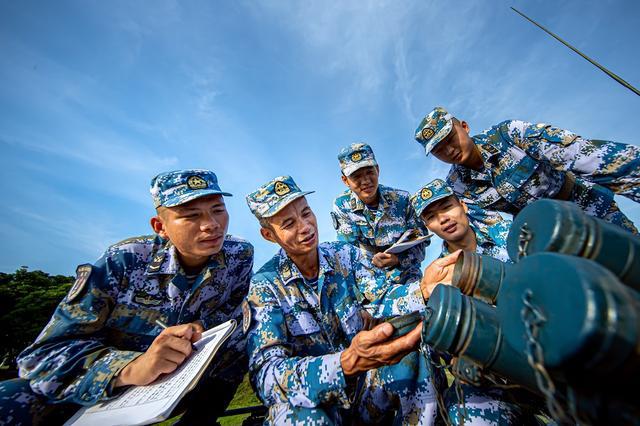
{"type": "Point", "coordinates": [69, 361]}
{"type": "Point", "coordinates": [611, 164]}
{"type": "Point", "coordinates": [383, 299]}
{"type": "Point", "coordinates": [277, 375]}
{"type": "Point", "coordinates": [415, 255]}
{"type": "Point", "coordinates": [345, 230]}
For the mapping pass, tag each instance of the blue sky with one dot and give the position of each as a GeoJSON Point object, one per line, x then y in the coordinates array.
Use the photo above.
{"type": "Point", "coordinates": [98, 97]}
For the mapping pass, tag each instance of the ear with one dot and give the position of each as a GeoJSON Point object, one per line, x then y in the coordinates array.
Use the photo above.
{"type": "Point", "coordinates": [464, 206]}
{"type": "Point", "coordinates": [378, 170]}
{"type": "Point", "coordinates": [158, 226]}
{"type": "Point", "coordinates": [465, 126]}
{"type": "Point", "coordinates": [344, 180]}
{"type": "Point", "coordinates": [267, 234]}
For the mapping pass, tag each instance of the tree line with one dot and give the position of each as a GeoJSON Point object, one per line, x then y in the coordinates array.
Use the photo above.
{"type": "Point", "coordinates": [27, 301]}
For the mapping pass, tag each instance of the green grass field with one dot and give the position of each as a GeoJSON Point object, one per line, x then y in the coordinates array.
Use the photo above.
{"type": "Point", "coordinates": [244, 397]}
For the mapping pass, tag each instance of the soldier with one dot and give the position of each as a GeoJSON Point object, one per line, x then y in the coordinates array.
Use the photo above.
{"type": "Point", "coordinates": [515, 163]}
{"type": "Point", "coordinates": [308, 352]}
{"type": "Point", "coordinates": [373, 217]}
{"type": "Point", "coordinates": [103, 336]}
{"type": "Point", "coordinates": [446, 216]}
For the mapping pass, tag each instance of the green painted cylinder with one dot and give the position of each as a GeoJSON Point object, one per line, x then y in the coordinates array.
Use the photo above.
{"type": "Point", "coordinates": [591, 329]}
{"type": "Point", "coordinates": [463, 326]}
{"type": "Point", "coordinates": [479, 276]}
{"type": "Point", "coordinates": [562, 227]}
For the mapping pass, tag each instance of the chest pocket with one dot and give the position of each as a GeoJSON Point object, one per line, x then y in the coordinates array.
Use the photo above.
{"type": "Point", "coordinates": [134, 320]}
{"type": "Point", "coordinates": [364, 232]}
{"type": "Point", "coordinates": [132, 328]}
{"type": "Point", "coordinates": [514, 170]}
{"type": "Point", "coordinates": [302, 324]}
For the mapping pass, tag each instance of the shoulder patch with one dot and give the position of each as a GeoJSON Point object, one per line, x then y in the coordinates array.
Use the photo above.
{"type": "Point", "coordinates": [334, 219]}
{"type": "Point", "coordinates": [82, 276]}
{"type": "Point", "coordinates": [246, 316]}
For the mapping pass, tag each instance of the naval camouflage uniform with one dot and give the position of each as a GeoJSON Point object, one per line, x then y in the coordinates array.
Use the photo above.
{"type": "Point", "coordinates": [375, 230]}
{"type": "Point", "coordinates": [298, 329]}
{"type": "Point", "coordinates": [484, 405]}
{"type": "Point", "coordinates": [524, 162]}
{"type": "Point", "coordinates": [108, 320]}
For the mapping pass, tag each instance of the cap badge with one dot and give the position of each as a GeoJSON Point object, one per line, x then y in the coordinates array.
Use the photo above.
{"type": "Point", "coordinates": [426, 193]}
{"type": "Point", "coordinates": [356, 156]}
{"type": "Point", "coordinates": [196, 182]}
{"type": "Point", "coordinates": [281, 188]}
{"type": "Point", "coordinates": [427, 133]}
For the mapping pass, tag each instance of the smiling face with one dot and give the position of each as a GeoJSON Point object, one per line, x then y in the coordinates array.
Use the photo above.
{"type": "Point", "coordinates": [197, 228]}
{"type": "Point", "coordinates": [364, 183]}
{"type": "Point", "coordinates": [447, 218]}
{"type": "Point", "coordinates": [294, 228]}
{"type": "Point", "coordinates": [457, 147]}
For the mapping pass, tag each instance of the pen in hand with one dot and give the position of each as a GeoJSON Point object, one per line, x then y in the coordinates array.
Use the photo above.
{"type": "Point", "coordinates": [165, 326]}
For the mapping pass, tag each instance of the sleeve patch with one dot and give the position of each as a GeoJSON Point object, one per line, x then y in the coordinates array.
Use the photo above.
{"type": "Point", "coordinates": [246, 316]}
{"type": "Point", "coordinates": [82, 277]}
{"type": "Point", "coordinates": [334, 218]}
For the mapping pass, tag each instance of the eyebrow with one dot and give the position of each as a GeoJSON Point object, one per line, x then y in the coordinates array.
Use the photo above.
{"type": "Point", "coordinates": [192, 208]}
{"type": "Point", "coordinates": [286, 221]}
{"type": "Point", "coordinates": [435, 206]}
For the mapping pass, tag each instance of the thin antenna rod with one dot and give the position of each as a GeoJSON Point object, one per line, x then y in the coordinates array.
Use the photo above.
{"type": "Point", "coordinates": [603, 69]}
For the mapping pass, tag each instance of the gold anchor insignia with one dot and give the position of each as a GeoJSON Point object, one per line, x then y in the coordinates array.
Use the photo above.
{"type": "Point", "coordinates": [281, 188]}
{"type": "Point", "coordinates": [196, 182]}
{"type": "Point", "coordinates": [356, 156]}
{"type": "Point", "coordinates": [286, 272]}
{"type": "Point", "coordinates": [427, 133]}
{"type": "Point", "coordinates": [426, 193]}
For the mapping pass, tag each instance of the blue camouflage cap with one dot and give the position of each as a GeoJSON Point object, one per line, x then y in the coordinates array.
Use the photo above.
{"type": "Point", "coordinates": [273, 196]}
{"type": "Point", "coordinates": [356, 156]}
{"type": "Point", "coordinates": [171, 189]}
{"type": "Point", "coordinates": [435, 190]}
{"type": "Point", "coordinates": [434, 128]}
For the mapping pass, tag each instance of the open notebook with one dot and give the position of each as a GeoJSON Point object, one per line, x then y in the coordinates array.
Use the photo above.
{"type": "Point", "coordinates": [140, 405]}
{"type": "Point", "coordinates": [410, 238]}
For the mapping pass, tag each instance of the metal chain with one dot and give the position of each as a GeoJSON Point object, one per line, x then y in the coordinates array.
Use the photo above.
{"type": "Point", "coordinates": [432, 366]}
{"type": "Point", "coordinates": [524, 238]}
{"type": "Point", "coordinates": [462, 408]}
{"type": "Point", "coordinates": [533, 319]}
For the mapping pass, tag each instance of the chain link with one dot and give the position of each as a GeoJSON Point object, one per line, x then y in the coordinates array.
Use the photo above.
{"type": "Point", "coordinates": [524, 238]}
{"type": "Point", "coordinates": [533, 319]}
{"type": "Point", "coordinates": [462, 408]}
{"type": "Point", "coordinates": [432, 366]}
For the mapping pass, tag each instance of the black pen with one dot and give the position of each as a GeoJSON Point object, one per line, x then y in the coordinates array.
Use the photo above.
{"type": "Point", "coordinates": [164, 326]}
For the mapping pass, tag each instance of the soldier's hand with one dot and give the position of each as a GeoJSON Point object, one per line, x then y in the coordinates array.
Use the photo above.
{"type": "Point", "coordinates": [373, 349]}
{"type": "Point", "coordinates": [440, 271]}
{"type": "Point", "coordinates": [165, 354]}
{"type": "Point", "coordinates": [385, 260]}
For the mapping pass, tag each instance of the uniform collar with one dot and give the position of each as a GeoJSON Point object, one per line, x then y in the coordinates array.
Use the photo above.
{"type": "Point", "coordinates": [165, 261]}
{"type": "Point", "coordinates": [288, 270]}
{"type": "Point", "coordinates": [487, 152]}
{"type": "Point", "coordinates": [357, 204]}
